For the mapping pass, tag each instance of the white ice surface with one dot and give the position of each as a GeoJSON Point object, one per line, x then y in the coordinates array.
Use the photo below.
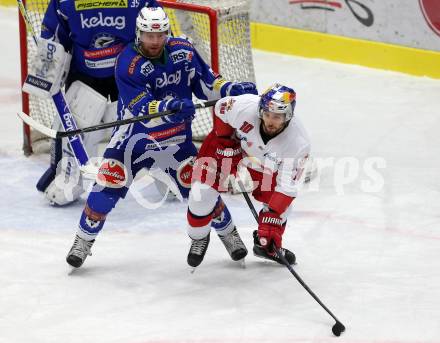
{"type": "Point", "coordinates": [372, 257]}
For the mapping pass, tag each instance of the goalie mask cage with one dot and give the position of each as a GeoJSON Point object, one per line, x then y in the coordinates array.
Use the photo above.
{"type": "Point", "coordinates": [219, 30]}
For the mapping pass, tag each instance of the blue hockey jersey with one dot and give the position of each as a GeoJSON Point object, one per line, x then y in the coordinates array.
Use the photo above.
{"type": "Point", "coordinates": [141, 81]}
{"type": "Point", "coordinates": [93, 31]}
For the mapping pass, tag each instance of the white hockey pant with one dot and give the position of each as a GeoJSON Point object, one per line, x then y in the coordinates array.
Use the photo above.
{"type": "Point", "coordinates": [206, 210]}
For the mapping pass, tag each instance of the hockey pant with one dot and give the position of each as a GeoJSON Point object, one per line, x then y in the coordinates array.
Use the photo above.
{"type": "Point", "coordinates": [207, 210]}
{"type": "Point", "coordinates": [117, 172]}
{"type": "Point", "coordinates": [204, 200]}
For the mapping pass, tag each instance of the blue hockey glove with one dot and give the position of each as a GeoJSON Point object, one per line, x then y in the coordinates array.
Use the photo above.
{"type": "Point", "coordinates": [184, 108]}
{"type": "Point", "coordinates": [239, 88]}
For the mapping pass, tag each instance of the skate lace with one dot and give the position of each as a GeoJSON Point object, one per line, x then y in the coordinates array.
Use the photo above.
{"type": "Point", "coordinates": [81, 247]}
{"type": "Point", "coordinates": [198, 246]}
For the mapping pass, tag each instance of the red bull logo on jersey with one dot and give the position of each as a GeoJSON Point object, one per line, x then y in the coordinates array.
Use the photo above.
{"type": "Point", "coordinates": [226, 106]}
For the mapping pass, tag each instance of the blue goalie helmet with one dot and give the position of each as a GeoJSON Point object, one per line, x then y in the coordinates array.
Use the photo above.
{"type": "Point", "coordinates": [278, 99]}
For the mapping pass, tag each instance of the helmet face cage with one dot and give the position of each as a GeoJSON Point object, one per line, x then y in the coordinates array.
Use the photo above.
{"type": "Point", "coordinates": [278, 99]}
{"type": "Point", "coordinates": [151, 19]}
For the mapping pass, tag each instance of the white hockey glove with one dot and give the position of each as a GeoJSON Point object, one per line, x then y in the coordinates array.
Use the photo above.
{"type": "Point", "coordinates": [49, 70]}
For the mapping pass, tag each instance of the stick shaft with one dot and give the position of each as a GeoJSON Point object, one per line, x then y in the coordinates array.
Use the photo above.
{"type": "Point", "coordinates": [283, 259]}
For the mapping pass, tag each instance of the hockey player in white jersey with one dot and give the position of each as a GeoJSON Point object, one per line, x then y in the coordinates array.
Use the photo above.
{"type": "Point", "coordinates": [261, 134]}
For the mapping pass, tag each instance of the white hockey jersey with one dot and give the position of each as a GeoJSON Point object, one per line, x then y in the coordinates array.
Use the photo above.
{"type": "Point", "coordinates": [282, 156]}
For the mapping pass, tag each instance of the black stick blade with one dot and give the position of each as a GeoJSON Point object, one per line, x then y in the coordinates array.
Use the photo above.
{"type": "Point", "coordinates": [338, 328]}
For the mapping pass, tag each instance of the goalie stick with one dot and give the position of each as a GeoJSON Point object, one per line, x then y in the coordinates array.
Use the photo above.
{"type": "Point", "coordinates": [74, 132]}
{"type": "Point", "coordinates": [338, 327]}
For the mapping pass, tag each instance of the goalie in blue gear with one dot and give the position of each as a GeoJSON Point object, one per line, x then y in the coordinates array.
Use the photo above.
{"type": "Point", "coordinates": [91, 34]}
{"type": "Point", "coordinates": [155, 73]}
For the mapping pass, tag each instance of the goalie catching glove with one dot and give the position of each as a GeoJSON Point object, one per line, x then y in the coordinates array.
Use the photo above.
{"type": "Point", "coordinates": [49, 69]}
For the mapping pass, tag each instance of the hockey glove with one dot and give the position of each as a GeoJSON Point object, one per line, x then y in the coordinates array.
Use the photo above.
{"type": "Point", "coordinates": [270, 229]}
{"type": "Point", "coordinates": [184, 109]}
{"type": "Point", "coordinates": [239, 88]}
{"type": "Point", "coordinates": [228, 152]}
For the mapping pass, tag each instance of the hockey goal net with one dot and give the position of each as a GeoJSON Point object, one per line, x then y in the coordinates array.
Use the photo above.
{"type": "Point", "coordinates": [219, 30]}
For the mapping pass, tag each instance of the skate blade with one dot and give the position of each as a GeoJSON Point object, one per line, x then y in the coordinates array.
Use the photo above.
{"type": "Point", "coordinates": [192, 270]}
{"type": "Point", "coordinates": [72, 270]}
{"type": "Point", "coordinates": [242, 263]}
{"type": "Point", "coordinates": [266, 259]}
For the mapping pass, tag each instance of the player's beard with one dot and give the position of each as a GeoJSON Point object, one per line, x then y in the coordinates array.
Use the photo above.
{"type": "Point", "coordinates": [153, 51]}
{"type": "Point", "coordinates": [272, 130]}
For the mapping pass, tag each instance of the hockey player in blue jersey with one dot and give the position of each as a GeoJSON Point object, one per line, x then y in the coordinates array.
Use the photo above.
{"type": "Point", "coordinates": [93, 33]}
{"type": "Point", "coordinates": [156, 73]}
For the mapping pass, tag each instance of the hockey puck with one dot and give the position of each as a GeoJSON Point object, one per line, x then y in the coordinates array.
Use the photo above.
{"type": "Point", "coordinates": [338, 328]}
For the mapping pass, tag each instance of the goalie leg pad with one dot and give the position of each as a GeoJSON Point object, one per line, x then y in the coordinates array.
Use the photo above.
{"type": "Point", "coordinates": [50, 173]}
{"type": "Point", "coordinates": [88, 108]}
{"type": "Point", "coordinates": [110, 115]}
{"type": "Point", "coordinates": [67, 186]}
{"type": "Point", "coordinates": [87, 105]}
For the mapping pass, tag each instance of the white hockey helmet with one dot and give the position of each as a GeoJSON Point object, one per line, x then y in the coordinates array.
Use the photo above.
{"type": "Point", "coordinates": [151, 19]}
{"type": "Point", "coordinates": [278, 99]}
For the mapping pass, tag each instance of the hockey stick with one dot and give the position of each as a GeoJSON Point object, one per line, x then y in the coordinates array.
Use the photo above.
{"type": "Point", "coordinates": [338, 327]}
{"type": "Point", "coordinates": [60, 134]}
{"type": "Point", "coordinates": [27, 21]}
{"type": "Point", "coordinates": [62, 107]}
